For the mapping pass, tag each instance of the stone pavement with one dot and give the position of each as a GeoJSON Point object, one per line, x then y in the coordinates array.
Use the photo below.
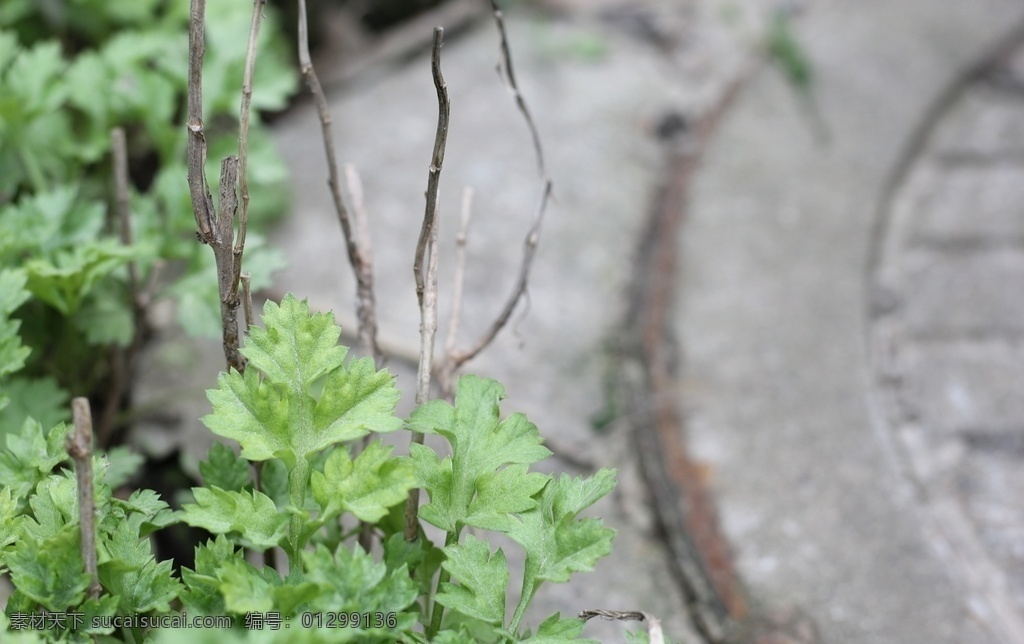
{"type": "Point", "coordinates": [947, 287]}
{"type": "Point", "coordinates": [851, 323]}
{"type": "Point", "coordinates": [864, 456]}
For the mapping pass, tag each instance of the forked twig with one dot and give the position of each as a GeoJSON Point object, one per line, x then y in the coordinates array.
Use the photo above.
{"type": "Point", "coordinates": [357, 242]}
{"type": "Point", "coordinates": [455, 358]}
{"type": "Point", "coordinates": [79, 446]}
{"type": "Point", "coordinates": [211, 228]}
{"type": "Point", "coordinates": [425, 266]}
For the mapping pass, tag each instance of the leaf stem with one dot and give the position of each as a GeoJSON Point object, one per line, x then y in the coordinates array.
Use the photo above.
{"type": "Point", "coordinates": [298, 478]}
{"type": "Point", "coordinates": [442, 578]}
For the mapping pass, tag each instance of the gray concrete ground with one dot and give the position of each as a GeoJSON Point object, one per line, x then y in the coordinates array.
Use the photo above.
{"type": "Point", "coordinates": [850, 333]}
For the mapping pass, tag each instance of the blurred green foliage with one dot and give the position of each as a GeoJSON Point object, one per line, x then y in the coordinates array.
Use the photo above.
{"type": "Point", "coordinates": [70, 71]}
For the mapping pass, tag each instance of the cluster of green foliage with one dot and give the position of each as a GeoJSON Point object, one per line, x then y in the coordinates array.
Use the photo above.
{"type": "Point", "coordinates": [296, 411]}
{"type": "Point", "coordinates": [71, 71]}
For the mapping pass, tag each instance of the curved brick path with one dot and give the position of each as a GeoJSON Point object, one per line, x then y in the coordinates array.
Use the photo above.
{"type": "Point", "coordinates": [947, 331]}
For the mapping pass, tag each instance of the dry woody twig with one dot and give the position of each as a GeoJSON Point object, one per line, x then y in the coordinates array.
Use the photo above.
{"type": "Point", "coordinates": [217, 228]}
{"type": "Point", "coordinates": [79, 446]}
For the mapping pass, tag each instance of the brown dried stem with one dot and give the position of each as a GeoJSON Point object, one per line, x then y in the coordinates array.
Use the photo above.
{"type": "Point", "coordinates": [357, 242]}
{"type": "Point", "coordinates": [79, 446]}
{"type": "Point", "coordinates": [454, 358]}
{"type": "Point", "coordinates": [211, 228]}
{"type": "Point", "coordinates": [425, 266]}
{"type": "Point", "coordinates": [243, 139]}
{"type": "Point", "coordinates": [460, 269]}
{"type": "Point", "coordinates": [202, 200]}
{"type": "Point", "coordinates": [513, 86]}
{"type": "Point", "coordinates": [122, 360]}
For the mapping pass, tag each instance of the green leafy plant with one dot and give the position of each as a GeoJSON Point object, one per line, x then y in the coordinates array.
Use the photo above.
{"type": "Point", "coordinates": [69, 73]}
{"type": "Point", "coordinates": [297, 411]}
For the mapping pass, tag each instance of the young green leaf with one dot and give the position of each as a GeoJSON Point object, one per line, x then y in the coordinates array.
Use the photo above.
{"type": "Point", "coordinates": [253, 515]}
{"type": "Point", "coordinates": [296, 347]}
{"type": "Point", "coordinates": [481, 445]}
{"type": "Point", "coordinates": [144, 511]}
{"type": "Point", "coordinates": [482, 577]}
{"type": "Point", "coordinates": [140, 589]}
{"type": "Point", "coordinates": [202, 594]}
{"type": "Point", "coordinates": [366, 487]}
{"type": "Point", "coordinates": [277, 416]}
{"type": "Point", "coordinates": [351, 581]}
{"type": "Point", "coordinates": [10, 522]}
{"type": "Point", "coordinates": [30, 456]}
{"type": "Point", "coordinates": [223, 469]}
{"type": "Point", "coordinates": [245, 589]}
{"type": "Point", "coordinates": [50, 570]}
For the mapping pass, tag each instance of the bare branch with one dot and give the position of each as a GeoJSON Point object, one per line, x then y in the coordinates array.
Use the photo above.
{"type": "Point", "coordinates": [513, 86]}
{"type": "Point", "coordinates": [202, 200]}
{"type": "Point", "coordinates": [357, 243]}
{"type": "Point", "coordinates": [436, 161]}
{"type": "Point", "coordinates": [215, 229]}
{"type": "Point", "coordinates": [425, 267]}
{"type": "Point", "coordinates": [122, 201]}
{"type": "Point", "coordinates": [243, 139]}
{"type": "Point", "coordinates": [122, 359]}
{"type": "Point", "coordinates": [225, 259]}
{"type": "Point", "coordinates": [79, 446]}
{"type": "Point", "coordinates": [529, 249]}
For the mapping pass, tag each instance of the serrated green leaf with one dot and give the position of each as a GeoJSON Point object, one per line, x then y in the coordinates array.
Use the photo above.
{"type": "Point", "coordinates": [481, 446]}
{"type": "Point", "coordinates": [202, 594]}
{"type": "Point", "coordinates": [253, 515]}
{"type": "Point", "coordinates": [245, 590]}
{"type": "Point", "coordinates": [277, 416]}
{"type": "Point", "coordinates": [223, 469]}
{"type": "Point", "coordinates": [556, 543]}
{"type": "Point", "coordinates": [356, 401]}
{"type": "Point", "coordinates": [296, 347]}
{"type": "Point", "coordinates": [63, 281]}
{"type": "Point", "coordinates": [10, 522]}
{"type": "Point", "coordinates": [482, 577]}
{"type": "Point", "coordinates": [503, 493]}
{"type": "Point", "coordinates": [30, 456]}
{"type": "Point", "coordinates": [50, 570]}
{"type": "Point", "coordinates": [146, 512]}
{"type": "Point", "coordinates": [351, 581]}
{"type": "Point", "coordinates": [149, 587]}
{"type": "Point", "coordinates": [366, 487]}
{"type": "Point", "coordinates": [253, 412]}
